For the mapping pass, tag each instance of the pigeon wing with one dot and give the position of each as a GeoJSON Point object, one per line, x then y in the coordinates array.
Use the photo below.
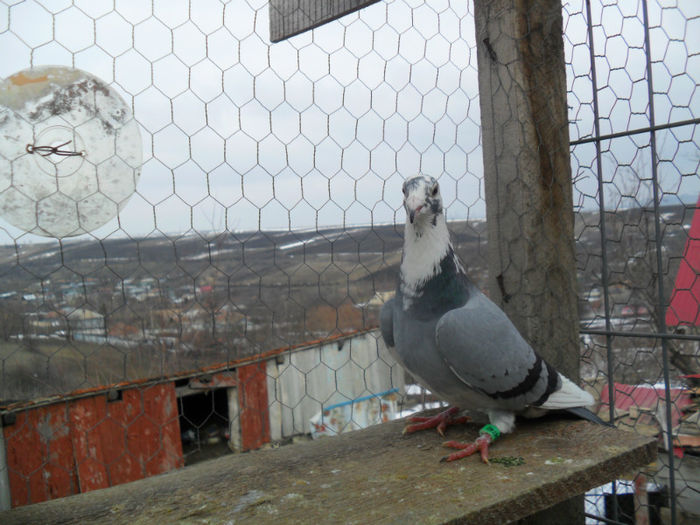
{"type": "Point", "coordinates": [386, 322]}
{"type": "Point", "coordinates": [485, 351]}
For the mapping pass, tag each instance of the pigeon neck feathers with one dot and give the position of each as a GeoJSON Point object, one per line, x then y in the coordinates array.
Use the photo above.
{"type": "Point", "coordinates": [424, 246]}
{"type": "Point", "coordinates": [431, 271]}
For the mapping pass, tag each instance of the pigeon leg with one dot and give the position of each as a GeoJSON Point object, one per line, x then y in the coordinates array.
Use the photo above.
{"type": "Point", "coordinates": [440, 421]}
{"type": "Point", "coordinates": [467, 449]}
{"type": "Point", "coordinates": [487, 435]}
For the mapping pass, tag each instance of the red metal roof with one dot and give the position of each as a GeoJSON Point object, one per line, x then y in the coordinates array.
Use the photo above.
{"type": "Point", "coordinates": [684, 307]}
{"type": "Point", "coordinates": [646, 397]}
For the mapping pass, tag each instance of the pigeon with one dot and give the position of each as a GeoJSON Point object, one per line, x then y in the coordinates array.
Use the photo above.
{"type": "Point", "coordinates": [456, 342]}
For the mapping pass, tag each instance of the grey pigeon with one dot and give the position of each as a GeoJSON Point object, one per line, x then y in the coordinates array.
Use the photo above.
{"type": "Point", "coordinates": [455, 341]}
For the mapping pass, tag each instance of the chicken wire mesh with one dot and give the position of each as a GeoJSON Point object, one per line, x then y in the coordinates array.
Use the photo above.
{"type": "Point", "coordinates": [635, 153]}
{"type": "Point", "coordinates": [268, 201]}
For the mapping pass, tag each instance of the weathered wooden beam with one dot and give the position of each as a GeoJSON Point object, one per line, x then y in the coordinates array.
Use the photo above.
{"type": "Point", "coordinates": [528, 187]}
{"type": "Point", "coordinates": [291, 17]}
{"type": "Point", "coordinates": [376, 475]}
{"type": "Point", "coordinates": [529, 202]}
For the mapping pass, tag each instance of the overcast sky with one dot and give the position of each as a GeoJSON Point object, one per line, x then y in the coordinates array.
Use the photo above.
{"type": "Point", "coordinates": [321, 129]}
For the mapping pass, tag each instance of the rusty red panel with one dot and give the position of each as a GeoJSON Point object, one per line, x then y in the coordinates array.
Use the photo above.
{"type": "Point", "coordinates": [39, 456]}
{"type": "Point", "coordinates": [132, 437]}
{"type": "Point", "coordinates": [160, 429]}
{"type": "Point", "coordinates": [90, 443]}
{"type": "Point", "coordinates": [122, 464]}
{"type": "Point", "coordinates": [253, 403]}
{"type": "Point", "coordinates": [85, 416]}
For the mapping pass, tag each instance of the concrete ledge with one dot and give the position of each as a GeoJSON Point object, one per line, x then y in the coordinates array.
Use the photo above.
{"type": "Point", "coordinates": [374, 475]}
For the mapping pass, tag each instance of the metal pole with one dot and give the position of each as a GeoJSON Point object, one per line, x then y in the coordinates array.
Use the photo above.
{"type": "Point", "coordinates": [603, 235]}
{"type": "Point", "coordinates": [659, 267]}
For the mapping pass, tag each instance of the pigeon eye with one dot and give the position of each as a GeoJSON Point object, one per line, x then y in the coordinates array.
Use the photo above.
{"type": "Point", "coordinates": [435, 190]}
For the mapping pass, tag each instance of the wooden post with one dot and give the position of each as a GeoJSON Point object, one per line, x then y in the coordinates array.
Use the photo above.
{"type": "Point", "coordinates": [527, 173]}
{"type": "Point", "coordinates": [529, 203]}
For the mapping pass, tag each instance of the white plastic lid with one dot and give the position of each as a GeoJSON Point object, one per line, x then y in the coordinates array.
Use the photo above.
{"type": "Point", "coordinates": [70, 151]}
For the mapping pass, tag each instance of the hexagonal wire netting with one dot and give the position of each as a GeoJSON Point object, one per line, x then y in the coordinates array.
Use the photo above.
{"type": "Point", "coordinates": [268, 210]}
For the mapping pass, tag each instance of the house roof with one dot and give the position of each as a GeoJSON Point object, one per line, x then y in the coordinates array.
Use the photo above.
{"type": "Point", "coordinates": [646, 397]}
{"type": "Point", "coordinates": [684, 307]}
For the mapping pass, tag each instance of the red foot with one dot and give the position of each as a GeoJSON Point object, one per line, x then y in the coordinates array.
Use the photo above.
{"type": "Point", "coordinates": [440, 421]}
{"type": "Point", "coordinates": [467, 449]}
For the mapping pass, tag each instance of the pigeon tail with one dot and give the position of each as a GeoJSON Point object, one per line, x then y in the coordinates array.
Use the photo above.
{"type": "Point", "coordinates": [586, 414]}
{"type": "Point", "coordinates": [569, 395]}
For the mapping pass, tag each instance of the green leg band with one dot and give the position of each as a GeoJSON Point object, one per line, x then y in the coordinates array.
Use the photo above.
{"type": "Point", "coordinates": [492, 431]}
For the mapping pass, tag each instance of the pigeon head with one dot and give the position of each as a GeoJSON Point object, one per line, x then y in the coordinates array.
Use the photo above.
{"type": "Point", "coordinates": [422, 200]}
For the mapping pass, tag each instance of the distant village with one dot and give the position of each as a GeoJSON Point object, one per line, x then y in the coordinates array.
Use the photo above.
{"type": "Point", "coordinates": [247, 293]}
{"type": "Point", "coordinates": [73, 319]}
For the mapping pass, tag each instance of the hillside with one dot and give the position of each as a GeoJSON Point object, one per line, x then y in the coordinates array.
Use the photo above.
{"type": "Point", "coordinates": [82, 312]}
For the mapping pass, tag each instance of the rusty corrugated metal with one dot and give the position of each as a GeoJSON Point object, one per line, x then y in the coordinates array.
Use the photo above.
{"type": "Point", "coordinates": [253, 405]}
{"type": "Point", "coordinates": [39, 455]}
{"type": "Point", "coordinates": [91, 443]}
{"type": "Point", "coordinates": [81, 441]}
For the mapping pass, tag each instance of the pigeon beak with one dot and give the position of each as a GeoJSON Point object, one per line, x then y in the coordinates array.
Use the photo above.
{"type": "Point", "coordinates": [413, 206]}
{"type": "Point", "coordinates": [412, 213]}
